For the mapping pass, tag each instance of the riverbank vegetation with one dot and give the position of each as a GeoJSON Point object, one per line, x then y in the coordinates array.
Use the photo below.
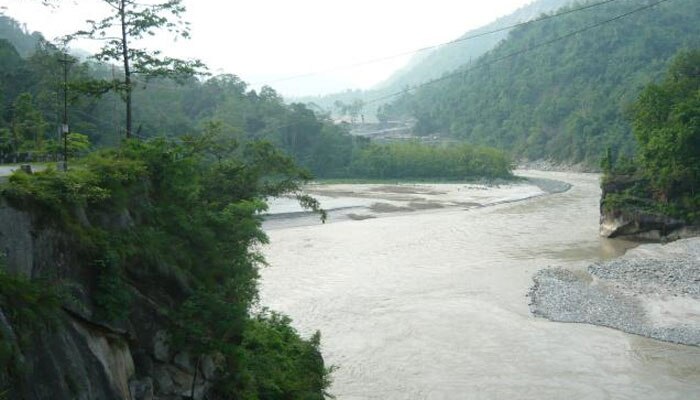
{"type": "Point", "coordinates": [168, 225]}
{"type": "Point", "coordinates": [178, 224]}
{"type": "Point", "coordinates": [664, 177]}
{"type": "Point", "coordinates": [412, 160]}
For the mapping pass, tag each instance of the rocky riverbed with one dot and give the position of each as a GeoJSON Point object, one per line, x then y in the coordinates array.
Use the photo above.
{"type": "Point", "coordinates": [653, 291]}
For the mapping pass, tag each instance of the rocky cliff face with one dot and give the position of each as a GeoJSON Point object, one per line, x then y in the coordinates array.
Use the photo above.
{"type": "Point", "coordinates": [637, 224]}
{"type": "Point", "coordinates": [641, 226]}
{"type": "Point", "coordinates": [81, 356]}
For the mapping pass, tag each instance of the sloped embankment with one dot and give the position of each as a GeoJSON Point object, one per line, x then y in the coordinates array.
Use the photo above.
{"type": "Point", "coordinates": [133, 276]}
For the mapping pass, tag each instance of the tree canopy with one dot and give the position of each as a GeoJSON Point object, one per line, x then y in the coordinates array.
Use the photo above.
{"type": "Point", "coordinates": [664, 177]}
{"type": "Point", "coordinates": [667, 127]}
{"type": "Point", "coordinates": [129, 22]}
{"type": "Point", "coordinates": [173, 108]}
{"type": "Point", "coordinates": [567, 100]}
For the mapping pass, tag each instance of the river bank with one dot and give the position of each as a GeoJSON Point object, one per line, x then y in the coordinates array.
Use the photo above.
{"type": "Point", "coordinates": [652, 291]}
{"type": "Point", "coordinates": [363, 201]}
{"type": "Point", "coordinates": [431, 304]}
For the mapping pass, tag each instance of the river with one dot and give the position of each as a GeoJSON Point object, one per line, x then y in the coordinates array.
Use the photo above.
{"type": "Point", "coordinates": [431, 304]}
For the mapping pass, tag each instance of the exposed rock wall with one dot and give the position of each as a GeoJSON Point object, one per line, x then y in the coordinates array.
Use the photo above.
{"type": "Point", "coordinates": [82, 357]}
{"type": "Point", "coordinates": [637, 224]}
{"type": "Point", "coordinates": [641, 226]}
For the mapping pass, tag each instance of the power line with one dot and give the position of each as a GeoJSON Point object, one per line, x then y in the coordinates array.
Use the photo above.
{"type": "Point", "coordinates": [519, 52]}
{"type": "Point", "coordinates": [507, 56]}
{"type": "Point", "coordinates": [496, 60]}
{"type": "Point", "coordinates": [385, 58]}
{"type": "Point", "coordinates": [389, 57]}
{"type": "Point", "coordinates": [459, 40]}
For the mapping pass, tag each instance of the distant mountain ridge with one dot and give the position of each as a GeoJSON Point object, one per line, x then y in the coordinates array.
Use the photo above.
{"type": "Point", "coordinates": [567, 100]}
{"type": "Point", "coordinates": [432, 64]}
{"type": "Point", "coordinates": [18, 35]}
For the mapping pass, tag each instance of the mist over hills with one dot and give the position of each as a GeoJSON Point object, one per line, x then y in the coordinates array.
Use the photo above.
{"type": "Point", "coordinates": [14, 32]}
{"type": "Point", "coordinates": [566, 100]}
{"type": "Point", "coordinates": [430, 64]}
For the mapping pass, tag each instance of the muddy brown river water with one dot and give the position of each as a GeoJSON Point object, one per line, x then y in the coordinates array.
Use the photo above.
{"type": "Point", "coordinates": [431, 304]}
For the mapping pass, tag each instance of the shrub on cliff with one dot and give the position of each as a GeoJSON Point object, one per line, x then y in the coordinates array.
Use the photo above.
{"type": "Point", "coordinates": [179, 224]}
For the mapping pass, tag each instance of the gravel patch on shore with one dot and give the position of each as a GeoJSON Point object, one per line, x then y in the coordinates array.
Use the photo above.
{"type": "Point", "coordinates": [654, 291]}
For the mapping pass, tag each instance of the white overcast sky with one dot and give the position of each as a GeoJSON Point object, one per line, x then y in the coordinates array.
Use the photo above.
{"type": "Point", "coordinates": [263, 41]}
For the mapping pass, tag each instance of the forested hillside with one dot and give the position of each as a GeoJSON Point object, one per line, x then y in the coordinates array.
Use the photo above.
{"type": "Point", "coordinates": [565, 99]}
{"type": "Point", "coordinates": [663, 179]}
{"type": "Point", "coordinates": [469, 47]}
{"type": "Point", "coordinates": [431, 64]}
{"type": "Point", "coordinates": [23, 40]}
{"type": "Point", "coordinates": [31, 95]}
{"type": "Point", "coordinates": [223, 107]}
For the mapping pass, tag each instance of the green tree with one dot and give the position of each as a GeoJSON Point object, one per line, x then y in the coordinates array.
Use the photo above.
{"type": "Point", "coordinates": [129, 22]}
{"type": "Point", "coordinates": [28, 125]}
{"type": "Point", "coordinates": [667, 127]}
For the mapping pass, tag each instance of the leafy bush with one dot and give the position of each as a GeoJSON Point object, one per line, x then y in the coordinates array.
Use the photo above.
{"type": "Point", "coordinates": [280, 365]}
{"type": "Point", "coordinates": [411, 160]}
{"type": "Point", "coordinates": [180, 222]}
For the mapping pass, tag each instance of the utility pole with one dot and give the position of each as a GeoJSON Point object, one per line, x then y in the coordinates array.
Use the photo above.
{"type": "Point", "coordinates": [64, 127]}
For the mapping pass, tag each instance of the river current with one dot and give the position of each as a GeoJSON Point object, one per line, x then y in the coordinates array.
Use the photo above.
{"type": "Point", "coordinates": [432, 304]}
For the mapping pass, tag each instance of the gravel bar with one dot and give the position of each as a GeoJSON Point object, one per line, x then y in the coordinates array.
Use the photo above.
{"type": "Point", "coordinates": [653, 291]}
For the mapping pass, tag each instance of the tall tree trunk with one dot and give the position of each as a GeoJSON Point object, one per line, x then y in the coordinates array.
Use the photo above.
{"type": "Point", "coordinates": [127, 71]}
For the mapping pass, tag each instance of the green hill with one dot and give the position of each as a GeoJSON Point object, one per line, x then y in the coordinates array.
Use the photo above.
{"type": "Point", "coordinates": [565, 100]}
{"type": "Point", "coordinates": [429, 65]}
{"type": "Point", "coordinates": [17, 34]}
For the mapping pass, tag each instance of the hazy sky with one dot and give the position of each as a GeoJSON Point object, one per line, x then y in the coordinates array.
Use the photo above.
{"type": "Point", "coordinates": [263, 41]}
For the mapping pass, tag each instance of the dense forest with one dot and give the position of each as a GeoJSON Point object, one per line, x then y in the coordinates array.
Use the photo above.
{"type": "Point", "coordinates": [664, 176]}
{"type": "Point", "coordinates": [154, 238]}
{"type": "Point", "coordinates": [189, 228]}
{"type": "Point", "coordinates": [542, 97]}
{"type": "Point", "coordinates": [32, 90]}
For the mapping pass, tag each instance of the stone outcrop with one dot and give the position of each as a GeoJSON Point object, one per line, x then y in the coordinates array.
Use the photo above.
{"type": "Point", "coordinates": [83, 357]}
{"type": "Point", "coordinates": [641, 226]}
{"type": "Point", "coordinates": [636, 224]}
